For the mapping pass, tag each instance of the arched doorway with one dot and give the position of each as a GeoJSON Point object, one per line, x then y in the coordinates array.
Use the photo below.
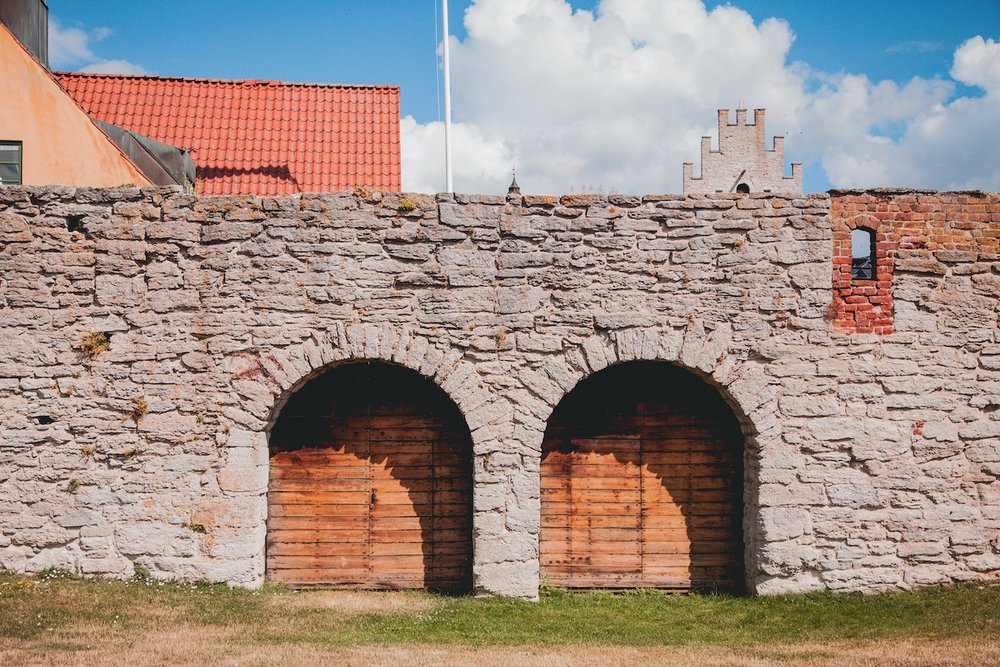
{"type": "Point", "coordinates": [642, 484]}
{"type": "Point", "coordinates": [371, 484]}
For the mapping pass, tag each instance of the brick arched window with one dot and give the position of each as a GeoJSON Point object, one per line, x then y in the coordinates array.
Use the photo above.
{"type": "Point", "coordinates": [863, 264]}
{"type": "Point", "coordinates": [863, 257]}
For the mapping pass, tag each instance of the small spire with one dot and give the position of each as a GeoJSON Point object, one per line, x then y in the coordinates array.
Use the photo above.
{"type": "Point", "coordinates": [514, 188]}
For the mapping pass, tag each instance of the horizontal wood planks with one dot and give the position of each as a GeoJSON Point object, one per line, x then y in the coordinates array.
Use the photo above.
{"type": "Point", "coordinates": [641, 484]}
{"type": "Point", "coordinates": [371, 484]}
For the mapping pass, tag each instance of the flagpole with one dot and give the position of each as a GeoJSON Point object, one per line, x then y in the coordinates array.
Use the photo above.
{"type": "Point", "coordinates": [447, 103]}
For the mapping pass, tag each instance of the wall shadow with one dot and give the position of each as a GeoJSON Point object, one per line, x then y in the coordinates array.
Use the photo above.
{"type": "Point", "coordinates": [371, 484]}
{"type": "Point", "coordinates": [644, 435]}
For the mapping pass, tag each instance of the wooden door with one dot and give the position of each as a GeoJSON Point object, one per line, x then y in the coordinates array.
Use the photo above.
{"type": "Point", "coordinates": [642, 484]}
{"type": "Point", "coordinates": [371, 484]}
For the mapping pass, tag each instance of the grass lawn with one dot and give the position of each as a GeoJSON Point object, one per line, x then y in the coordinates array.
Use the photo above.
{"type": "Point", "coordinates": [60, 620]}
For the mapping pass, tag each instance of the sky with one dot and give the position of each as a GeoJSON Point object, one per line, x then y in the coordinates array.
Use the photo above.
{"type": "Point", "coordinates": [604, 95]}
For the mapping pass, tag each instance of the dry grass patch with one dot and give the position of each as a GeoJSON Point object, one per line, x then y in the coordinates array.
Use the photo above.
{"type": "Point", "coordinates": [72, 622]}
{"type": "Point", "coordinates": [187, 644]}
{"type": "Point", "coordinates": [356, 602]}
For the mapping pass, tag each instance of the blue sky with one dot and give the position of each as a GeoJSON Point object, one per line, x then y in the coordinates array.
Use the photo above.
{"type": "Point", "coordinates": [886, 39]}
{"type": "Point", "coordinates": [393, 42]}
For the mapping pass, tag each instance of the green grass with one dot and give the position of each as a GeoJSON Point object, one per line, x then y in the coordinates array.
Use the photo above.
{"type": "Point", "coordinates": [651, 618]}
{"type": "Point", "coordinates": [29, 607]}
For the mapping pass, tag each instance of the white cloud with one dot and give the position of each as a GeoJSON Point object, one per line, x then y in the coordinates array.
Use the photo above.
{"type": "Point", "coordinates": [67, 46]}
{"type": "Point", "coordinates": [101, 33]}
{"type": "Point", "coordinates": [113, 67]}
{"type": "Point", "coordinates": [482, 159]}
{"type": "Point", "coordinates": [915, 47]}
{"type": "Point", "coordinates": [616, 100]}
{"type": "Point", "coordinates": [977, 63]}
{"type": "Point", "coordinates": [70, 48]}
{"type": "Point", "coordinates": [941, 143]}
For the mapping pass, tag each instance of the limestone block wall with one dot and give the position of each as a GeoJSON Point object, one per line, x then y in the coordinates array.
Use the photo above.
{"type": "Point", "coordinates": [872, 462]}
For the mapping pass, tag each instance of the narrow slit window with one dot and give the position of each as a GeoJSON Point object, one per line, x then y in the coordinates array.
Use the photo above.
{"type": "Point", "coordinates": [10, 162]}
{"type": "Point", "coordinates": [863, 254]}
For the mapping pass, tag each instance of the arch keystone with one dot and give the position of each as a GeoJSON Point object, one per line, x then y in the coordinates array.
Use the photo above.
{"type": "Point", "coordinates": [694, 341]}
{"type": "Point", "coordinates": [628, 343]}
{"type": "Point", "coordinates": [650, 344]}
{"type": "Point", "coordinates": [355, 335]}
{"type": "Point", "coordinates": [668, 345]}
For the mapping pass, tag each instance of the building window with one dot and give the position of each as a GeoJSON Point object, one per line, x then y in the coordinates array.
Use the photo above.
{"type": "Point", "coordinates": [743, 189]}
{"type": "Point", "coordinates": [862, 254]}
{"type": "Point", "coordinates": [10, 162]}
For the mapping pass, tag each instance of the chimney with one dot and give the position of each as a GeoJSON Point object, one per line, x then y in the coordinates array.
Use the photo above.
{"type": "Point", "coordinates": [28, 20]}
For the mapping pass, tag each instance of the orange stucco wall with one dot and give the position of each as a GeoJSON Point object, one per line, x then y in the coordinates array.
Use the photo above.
{"type": "Point", "coordinates": [60, 145]}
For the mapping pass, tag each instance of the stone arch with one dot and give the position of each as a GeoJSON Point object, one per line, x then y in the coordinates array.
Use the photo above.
{"type": "Point", "coordinates": [706, 353]}
{"type": "Point", "coordinates": [866, 220]}
{"type": "Point", "coordinates": [263, 381]}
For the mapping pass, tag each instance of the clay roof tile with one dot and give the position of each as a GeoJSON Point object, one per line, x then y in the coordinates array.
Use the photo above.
{"type": "Point", "coordinates": [257, 137]}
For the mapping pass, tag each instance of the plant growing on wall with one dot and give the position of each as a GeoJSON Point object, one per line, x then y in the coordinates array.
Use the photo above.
{"type": "Point", "coordinates": [94, 343]}
{"type": "Point", "coordinates": [139, 408]}
{"type": "Point", "coordinates": [406, 205]}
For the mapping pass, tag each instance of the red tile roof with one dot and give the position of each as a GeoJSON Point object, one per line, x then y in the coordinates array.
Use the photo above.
{"type": "Point", "coordinates": [257, 137]}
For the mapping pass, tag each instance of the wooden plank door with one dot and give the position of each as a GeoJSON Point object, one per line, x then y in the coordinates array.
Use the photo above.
{"type": "Point", "coordinates": [420, 511]}
{"type": "Point", "coordinates": [318, 517]}
{"type": "Point", "coordinates": [371, 484]}
{"type": "Point", "coordinates": [692, 498]}
{"type": "Point", "coordinates": [591, 520]}
{"type": "Point", "coordinates": [641, 484]}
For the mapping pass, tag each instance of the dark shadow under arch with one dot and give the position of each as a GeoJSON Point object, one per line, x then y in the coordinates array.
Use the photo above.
{"type": "Point", "coordinates": [642, 483]}
{"type": "Point", "coordinates": [371, 483]}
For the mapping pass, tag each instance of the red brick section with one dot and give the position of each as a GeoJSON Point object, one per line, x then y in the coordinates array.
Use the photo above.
{"type": "Point", "coordinates": [915, 231]}
{"type": "Point", "coordinates": [257, 137]}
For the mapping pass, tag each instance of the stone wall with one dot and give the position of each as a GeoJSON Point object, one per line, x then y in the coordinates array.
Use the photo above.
{"type": "Point", "coordinates": [872, 462]}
